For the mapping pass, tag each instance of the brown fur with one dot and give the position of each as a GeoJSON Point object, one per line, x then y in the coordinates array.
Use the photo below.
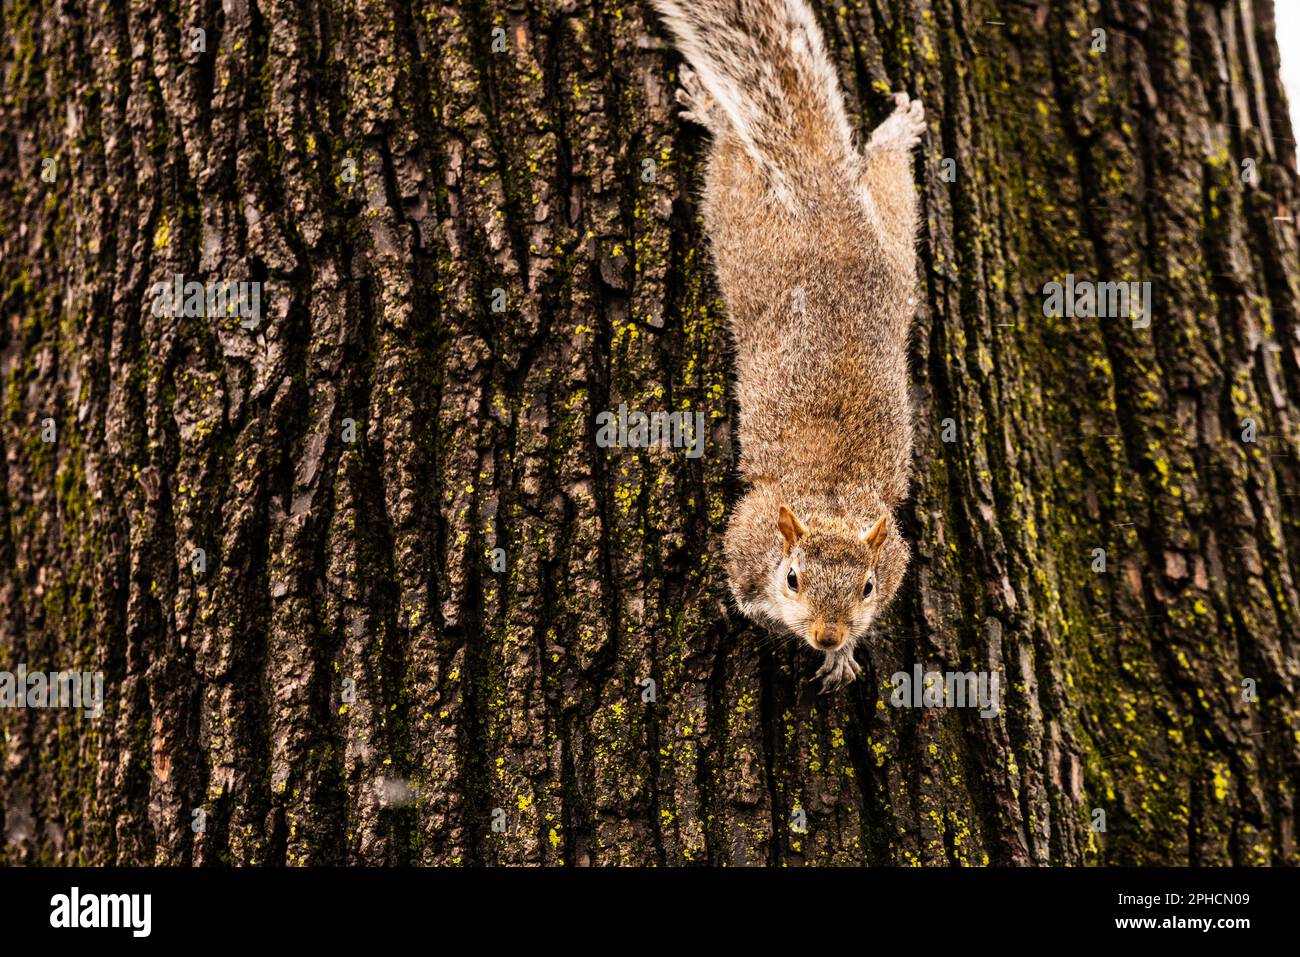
{"type": "Point", "coordinates": [814, 247]}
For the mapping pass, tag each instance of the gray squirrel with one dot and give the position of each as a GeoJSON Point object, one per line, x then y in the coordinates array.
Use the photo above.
{"type": "Point", "coordinates": [814, 245]}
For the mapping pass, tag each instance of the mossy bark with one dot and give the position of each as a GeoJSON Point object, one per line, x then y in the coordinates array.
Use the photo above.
{"type": "Point", "coordinates": [384, 169]}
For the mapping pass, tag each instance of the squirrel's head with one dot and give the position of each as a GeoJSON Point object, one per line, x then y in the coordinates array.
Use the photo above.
{"type": "Point", "coordinates": [833, 578]}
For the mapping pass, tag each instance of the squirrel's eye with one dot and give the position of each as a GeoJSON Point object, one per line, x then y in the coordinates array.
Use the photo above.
{"type": "Point", "coordinates": [792, 580]}
{"type": "Point", "coordinates": [869, 587]}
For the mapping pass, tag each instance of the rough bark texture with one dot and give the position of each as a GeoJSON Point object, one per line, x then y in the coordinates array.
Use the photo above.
{"type": "Point", "coordinates": [557, 170]}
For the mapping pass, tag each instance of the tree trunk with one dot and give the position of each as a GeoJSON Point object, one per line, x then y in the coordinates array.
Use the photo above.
{"type": "Point", "coordinates": [478, 227]}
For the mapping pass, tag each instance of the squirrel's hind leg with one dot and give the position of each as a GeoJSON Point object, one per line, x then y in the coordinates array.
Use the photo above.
{"type": "Point", "coordinates": [887, 174]}
{"type": "Point", "coordinates": [903, 128]}
{"type": "Point", "coordinates": [697, 105]}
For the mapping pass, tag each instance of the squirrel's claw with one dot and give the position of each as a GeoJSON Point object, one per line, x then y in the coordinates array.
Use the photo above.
{"type": "Point", "coordinates": [697, 105]}
{"type": "Point", "coordinates": [839, 669]}
{"type": "Point", "coordinates": [903, 129]}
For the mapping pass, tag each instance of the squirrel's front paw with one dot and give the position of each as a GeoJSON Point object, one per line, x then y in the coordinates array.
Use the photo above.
{"type": "Point", "coordinates": [904, 127]}
{"type": "Point", "coordinates": [697, 105]}
{"type": "Point", "coordinates": [838, 670]}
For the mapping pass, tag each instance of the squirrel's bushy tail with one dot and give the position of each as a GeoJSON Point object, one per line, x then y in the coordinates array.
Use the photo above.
{"type": "Point", "coordinates": [764, 63]}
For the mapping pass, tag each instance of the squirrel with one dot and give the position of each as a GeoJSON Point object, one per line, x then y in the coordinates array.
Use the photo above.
{"type": "Point", "coordinates": [814, 243]}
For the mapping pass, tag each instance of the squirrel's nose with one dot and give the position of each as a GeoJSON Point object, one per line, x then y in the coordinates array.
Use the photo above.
{"type": "Point", "coordinates": [828, 637]}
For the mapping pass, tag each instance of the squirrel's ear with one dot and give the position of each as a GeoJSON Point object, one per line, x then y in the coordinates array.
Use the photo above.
{"type": "Point", "coordinates": [879, 532]}
{"type": "Point", "coordinates": [791, 528]}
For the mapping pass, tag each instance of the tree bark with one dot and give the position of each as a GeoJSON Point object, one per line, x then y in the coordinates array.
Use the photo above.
{"type": "Point", "coordinates": [352, 678]}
